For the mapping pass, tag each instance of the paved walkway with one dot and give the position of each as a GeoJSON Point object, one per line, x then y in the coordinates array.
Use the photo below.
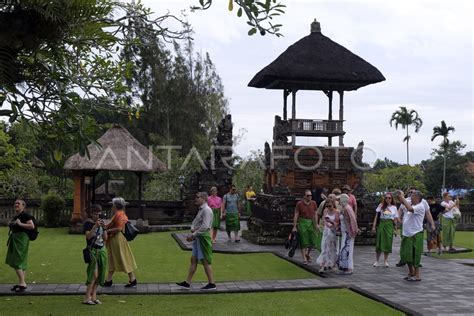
{"type": "Point", "coordinates": [446, 288]}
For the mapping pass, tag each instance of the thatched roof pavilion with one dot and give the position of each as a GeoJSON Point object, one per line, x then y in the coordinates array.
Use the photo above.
{"type": "Point", "coordinates": [315, 62]}
{"type": "Point", "coordinates": [118, 151]}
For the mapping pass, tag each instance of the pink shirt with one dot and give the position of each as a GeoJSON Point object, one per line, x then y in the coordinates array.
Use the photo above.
{"type": "Point", "coordinates": [214, 201]}
{"type": "Point", "coordinates": [352, 201]}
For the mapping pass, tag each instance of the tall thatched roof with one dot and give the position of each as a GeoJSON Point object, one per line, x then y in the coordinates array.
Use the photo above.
{"type": "Point", "coordinates": [317, 63]}
{"type": "Point", "coordinates": [120, 151]}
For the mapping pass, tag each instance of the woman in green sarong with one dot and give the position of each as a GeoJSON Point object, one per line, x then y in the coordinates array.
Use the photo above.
{"type": "Point", "coordinates": [96, 236]}
{"type": "Point", "coordinates": [388, 214]}
{"type": "Point", "coordinates": [18, 244]}
{"type": "Point", "coordinates": [448, 222]}
{"type": "Point", "coordinates": [215, 203]}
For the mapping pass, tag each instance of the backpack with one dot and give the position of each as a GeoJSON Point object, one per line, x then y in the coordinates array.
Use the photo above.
{"type": "Point", "coordinates": [130, 231]}
{"type": "Point", "coordinates": [33, 233]}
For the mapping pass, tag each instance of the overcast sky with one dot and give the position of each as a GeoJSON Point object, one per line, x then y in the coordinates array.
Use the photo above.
{"type": "Point", "coordinates": [424, 50]}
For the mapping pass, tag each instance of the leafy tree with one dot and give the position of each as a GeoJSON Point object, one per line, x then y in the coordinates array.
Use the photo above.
{"type": "Point", "coordinates": [17, 178]}
{"type": "Point", "coordinates": [385, 163]}
{"type": "Point", "coordinates": [405, 118]}
{"type": "Point", "coordinates": [393, 178]}
{"type": "Point", "coordinates": [256, 12]}
{"type": "Point", "coordinates": [456, 175]}
{"type": "Point", "coordinates": [54, 53]}
{"type": "Point", "coordinates": [443, 131]}
{"type": "Point", "coordinates": [250, 171]}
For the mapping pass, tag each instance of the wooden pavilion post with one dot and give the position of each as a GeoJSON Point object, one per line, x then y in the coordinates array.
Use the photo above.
{"type": "Point", "coordinates": [286, 92]}
{"type": "Point", "coordinates": [329, 95]}
{"type": "Point", "coordinates": [140, 206]}
{"type": "Point", "coordinates": [293, 114]}
{"type": "Point", "coordinates": [341, 115]}
{"type": "Point", "coordinates": [79, 197]}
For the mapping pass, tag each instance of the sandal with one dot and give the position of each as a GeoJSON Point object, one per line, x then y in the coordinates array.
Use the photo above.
{"type": "Point", "coordinates": [20, 289]}
{"type": "Point", "coordinates": [305, 263]}
{"type": "Point", "coordinates": [308, 258]}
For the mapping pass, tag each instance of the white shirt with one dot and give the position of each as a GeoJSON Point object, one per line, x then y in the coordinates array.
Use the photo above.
{"type": "Point", "coordinates": [389, 213]}
{"type": "Point", "coordinates": [413, 221]}
{"type": "Point", "coordinates": [203, 220]}
{"type": "Point", "coordinates": [448, 205]}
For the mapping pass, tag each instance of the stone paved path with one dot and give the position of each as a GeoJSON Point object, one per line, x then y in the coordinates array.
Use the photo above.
{"type": "Point", "coordinates": [447, 286]}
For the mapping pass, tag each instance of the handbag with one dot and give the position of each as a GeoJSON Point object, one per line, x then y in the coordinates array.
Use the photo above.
{"type": "Point", "coordinates": [130, 231]}
{"type": "Point", "coordinates": [456, 213]}
{"type": "Point", "coordinates": [86, 253]}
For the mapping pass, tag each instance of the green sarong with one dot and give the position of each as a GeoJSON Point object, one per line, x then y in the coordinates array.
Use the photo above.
{"type": "Point", "coordinates": [319, 239]}
{"type": "Point", "coordinates": [99, 262]}
{"type": "Point", "coordinates": [248, 208]}
{"type": "Point", "coordinates": [384, 239]}
{"type": "Point", "coordinates": [216, 218]}
{"type": "Point", "coordinates": [232, 222]}
{"type": "Point", "coordinates": [411, 249]}
{"type": "Point", "coordinates": [448, 229]}
{"type": "Point", "coordinates": [306, 233]}
{"type": "Point", "coordinates": [17, 253]}
{"type": "Point", "coordinates": [205, 243]}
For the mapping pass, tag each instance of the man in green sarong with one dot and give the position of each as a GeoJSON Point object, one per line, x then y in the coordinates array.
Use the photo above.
{"type": "Point", "coordinates": [231, 210]}
{"type": "Point", "coordinates": [304, 222]}
{"type": "Point", "coordinates": [412, 234]}
{"type": "Point", "coordinates": [202, 244]}
{"type": "Point", "coordinates": [18, 243]}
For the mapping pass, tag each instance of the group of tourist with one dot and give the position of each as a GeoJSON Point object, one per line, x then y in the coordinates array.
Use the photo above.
{"type": "Point", "coordinates": [109, 250]}
{"type": "Point", "coordinates": [99, 236]}
{"type": "Point", "coordinates": [335, 216]}
{"type": "Point", "coordinates": [330, 226]}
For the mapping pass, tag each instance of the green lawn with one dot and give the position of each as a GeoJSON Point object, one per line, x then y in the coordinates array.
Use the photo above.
{"type": "Point", "coordinates": [56, 257]}
{"type": "Point", "coordinates": [332, 302]}
{"type": "Point", "coordinates": [462, 239]}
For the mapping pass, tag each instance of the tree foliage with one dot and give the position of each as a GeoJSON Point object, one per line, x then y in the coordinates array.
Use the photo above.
{"type": "Point", "coordinates": [456, 175]}
{"type": "Point", "coordinates": [250, 171]}
{"type": "Point", "coordinates": [393, 178]}
{"type": "Point", "coordinates": [259, 14]}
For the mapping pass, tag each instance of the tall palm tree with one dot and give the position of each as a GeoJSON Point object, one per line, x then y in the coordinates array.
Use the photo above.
{"type": "Point", "coordinates": [405, 118]}
{"type": "Point", "coordinates": [443, 131]}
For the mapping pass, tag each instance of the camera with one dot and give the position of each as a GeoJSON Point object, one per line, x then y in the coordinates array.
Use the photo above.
{"type": "Point", "coordinates": [102, 216]}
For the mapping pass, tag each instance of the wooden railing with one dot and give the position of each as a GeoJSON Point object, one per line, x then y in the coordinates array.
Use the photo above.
{"type": "Point", "coordinates": [313, 127]}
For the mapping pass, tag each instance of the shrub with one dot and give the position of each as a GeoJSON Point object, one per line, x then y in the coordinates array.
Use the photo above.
{"type": "Point", "coordinates": [52, 204]}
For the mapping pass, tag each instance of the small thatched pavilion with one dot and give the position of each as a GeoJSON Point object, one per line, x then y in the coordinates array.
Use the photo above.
{"type": "Point", "coordinates": [118, 151]}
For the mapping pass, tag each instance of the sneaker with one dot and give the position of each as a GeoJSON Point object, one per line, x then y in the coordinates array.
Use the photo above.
{"type": "Point", "coordinates": [88, 302]}
{"type": "Point", "coordinates": [184, 285]}
{"type": "Point", "coordinates": [400, 264]}
{"type": "Point", "coordinates": [376, 264]}
{"type": "Point", "coordinates": [97, 302]}
{"type": "Point", "coordinates": [107, 283]}
{"type": "Point", "coordinates": [386, 265]}
{"type": "Point", "coordinates": [209, 287]}
{"type": "Point", "coordinates": [131, 284]}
